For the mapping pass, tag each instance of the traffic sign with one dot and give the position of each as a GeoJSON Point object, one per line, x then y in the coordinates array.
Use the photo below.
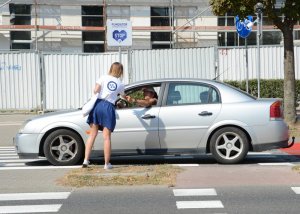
{"type": "Point", "coordinates": [119, 32]}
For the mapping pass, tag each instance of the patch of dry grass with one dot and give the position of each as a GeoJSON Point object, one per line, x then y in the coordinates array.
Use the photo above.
{"type": "Point", "coordinates": [296, 168]}
{"type": "Point", "coordinates": [121, 175]}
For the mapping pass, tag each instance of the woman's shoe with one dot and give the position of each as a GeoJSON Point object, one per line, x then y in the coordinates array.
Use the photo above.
{"type": "Point", "coordinates": [108, 166]}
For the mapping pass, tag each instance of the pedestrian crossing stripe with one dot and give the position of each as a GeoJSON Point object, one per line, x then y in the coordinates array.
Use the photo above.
{"type": "Point", "coordinates": [8, 154]}
{"type": "Point", "coordinates": [34, 196]}
{"type": "Point", "coordinates": [20, 160]}
{"type": "Point", "coordinates": [9, 157]}
{"type": "Point", "coordinates": [186, 165]}
{"type": "Point", "coordinates": [277, 164]}
{"type": "Point", "coordinates": [7, 148]}
{"type": "Point", "coordinates": [7, 151]}
{"type": "Point", "coordinates": [296, 190]}
{"type": "Point", "coordinates": [38, 167]}
{"type": "Point", "coordinates": [47, 208]}
{"type": "Point", "coordinates": [199, 204]}
{"type": "Point", "coordinates": [194, 192]}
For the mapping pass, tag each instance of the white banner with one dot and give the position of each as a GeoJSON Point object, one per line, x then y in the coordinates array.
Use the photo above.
{"type": "Point", "coordinates": [119, 32]}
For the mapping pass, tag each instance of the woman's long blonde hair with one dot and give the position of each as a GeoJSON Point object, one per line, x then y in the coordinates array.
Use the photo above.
{"type": "Point", "coordinates": [116, 70]}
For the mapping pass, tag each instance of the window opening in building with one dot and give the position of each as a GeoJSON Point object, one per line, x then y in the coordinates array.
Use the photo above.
{"type": "Point", "coordinates": [20, 14]}
{"type": "Point", "coordinates": [160, 17]}
{"type": "Point", "coordinates": [93, 42]}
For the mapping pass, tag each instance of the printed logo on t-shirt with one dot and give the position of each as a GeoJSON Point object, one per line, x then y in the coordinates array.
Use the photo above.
{"type": "Point", "coordinates": [111, 85]}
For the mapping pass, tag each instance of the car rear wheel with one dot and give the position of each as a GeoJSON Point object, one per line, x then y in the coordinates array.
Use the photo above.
{"type": "Point", "coordinates": [229, 145]}
{"type": "Point", "coordinates": [63, 148]}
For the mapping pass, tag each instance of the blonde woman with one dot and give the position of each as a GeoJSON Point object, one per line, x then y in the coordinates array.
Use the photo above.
{"type": "Point", "coordinates": [103, 116]}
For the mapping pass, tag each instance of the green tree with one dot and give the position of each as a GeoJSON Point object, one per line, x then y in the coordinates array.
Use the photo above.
{"type": "Point", "coordinates": [284, 18]}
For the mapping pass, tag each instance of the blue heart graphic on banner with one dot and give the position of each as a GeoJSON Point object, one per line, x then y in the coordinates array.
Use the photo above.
{"type": "Point", "coordinates": [119, 36]}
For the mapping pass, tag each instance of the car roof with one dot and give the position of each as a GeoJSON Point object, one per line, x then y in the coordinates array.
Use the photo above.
{"type": "Point", "coordinates": [152, 81]}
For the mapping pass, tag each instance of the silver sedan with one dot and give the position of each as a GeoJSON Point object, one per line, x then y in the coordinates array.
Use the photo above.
{"type": "Point", "coordinates": [191, 116]}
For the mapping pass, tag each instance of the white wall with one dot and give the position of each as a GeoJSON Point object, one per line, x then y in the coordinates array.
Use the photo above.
{"type": "Point", "coordinates": [71, 16]}
{"type": "Point", "coordinates": [140, 16]}
{"type": "Point", "coordinates": [4, 42]}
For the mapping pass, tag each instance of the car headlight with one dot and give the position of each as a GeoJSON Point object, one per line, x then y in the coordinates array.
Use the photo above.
{"type": "Point", "coordinates": [21, 130]}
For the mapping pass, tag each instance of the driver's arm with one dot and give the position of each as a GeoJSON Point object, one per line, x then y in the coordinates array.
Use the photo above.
{"type": "Point", "coordinates": [147, 102]}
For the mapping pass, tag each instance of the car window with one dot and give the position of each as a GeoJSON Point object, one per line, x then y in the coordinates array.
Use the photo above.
{"type": "Point", "coordinates": [188, 93]}
{"type": "Point", "coordinates": [137, 93]}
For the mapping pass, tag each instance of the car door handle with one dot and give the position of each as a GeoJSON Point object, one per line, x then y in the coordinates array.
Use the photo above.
{"type": "Point", "coordinates": [205, 113]}
{"type": "Point", "coordinates": [148, 116]}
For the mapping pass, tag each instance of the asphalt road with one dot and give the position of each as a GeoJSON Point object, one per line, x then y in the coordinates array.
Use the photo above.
{"type": "Point", "coordinates": [156, 200]}
{"type": "Point", "coordinates": [263, 183]}
{"type": "Point", "coordinates": [9, 126]}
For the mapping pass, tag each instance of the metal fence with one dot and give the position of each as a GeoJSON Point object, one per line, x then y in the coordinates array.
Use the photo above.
{"type": "Point", "coordinates": [173, 63]}
{"type": "Point", "coordinates": [232, 63]}
{"type": "Point", "coordinates": [20, 81]}
{"type": "Point", "coordinates": [69, 79]}
{"type": "Point", "coordinates": [50, 81]}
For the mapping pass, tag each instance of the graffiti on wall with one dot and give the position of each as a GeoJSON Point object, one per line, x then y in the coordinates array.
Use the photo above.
{"type": "Point", "coordinates": [9, 67]}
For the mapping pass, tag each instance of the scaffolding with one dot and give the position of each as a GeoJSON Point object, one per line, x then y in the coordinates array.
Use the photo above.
{"type": "Point", "coordinates": [176, 29]}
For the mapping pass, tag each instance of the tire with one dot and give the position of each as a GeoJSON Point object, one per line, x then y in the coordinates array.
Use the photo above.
{"type": "Point", "coordinates": [63, 148]}
{"type": "Point", "coordinates": [229, 145]}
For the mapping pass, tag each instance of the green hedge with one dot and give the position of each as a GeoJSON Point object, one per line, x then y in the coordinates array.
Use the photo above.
{"type": "Point", "coordinates": [271, 88]}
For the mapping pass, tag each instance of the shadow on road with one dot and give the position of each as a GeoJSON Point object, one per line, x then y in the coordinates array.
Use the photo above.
{"type": "Point", "coordinates": [188, 159]}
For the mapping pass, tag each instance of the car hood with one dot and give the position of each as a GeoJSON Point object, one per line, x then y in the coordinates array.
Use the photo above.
{"type": "Point", "coordinates": [41, 123]}
{"type": "Point", "coordinates": [61, 113]}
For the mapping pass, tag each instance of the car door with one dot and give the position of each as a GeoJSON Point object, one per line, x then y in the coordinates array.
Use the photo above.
{"type": "Point", "coordinates": [189, 110]}
{"type": "Point", "coordinates": [136, 129]}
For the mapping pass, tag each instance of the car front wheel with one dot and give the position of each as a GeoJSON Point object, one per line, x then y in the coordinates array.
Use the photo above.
{"type": "Point", "coordinates": [63, 148]}
{"type": "Point", "coordinates": [229, 145]}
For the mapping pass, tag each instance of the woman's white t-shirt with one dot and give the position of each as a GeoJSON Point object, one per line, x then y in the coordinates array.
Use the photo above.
{"type": "Point", "coordinates": [110, 88]}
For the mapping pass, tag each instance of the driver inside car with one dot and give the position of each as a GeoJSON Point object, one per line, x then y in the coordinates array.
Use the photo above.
{"type": "Point", "coordinates": [150, 98]}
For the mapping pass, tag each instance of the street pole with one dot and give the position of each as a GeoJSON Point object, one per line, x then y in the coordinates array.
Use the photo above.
{"type": "Point", "coordinates": [35, 25]}
{"type": "Point", "coordinates": [258, 9]}
{"type": "Point", "coordinates": [120, 55]}
{"type": "Point", "coordinates": [258, 56]}
{"type": "Point", "coordinates": [247, 68]}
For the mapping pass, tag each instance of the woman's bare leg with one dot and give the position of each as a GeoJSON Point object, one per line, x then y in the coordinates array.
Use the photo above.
{"type": "Point", "coordinates": [107, 144]}
{"type": "Point", "coordinates": [90, 141]}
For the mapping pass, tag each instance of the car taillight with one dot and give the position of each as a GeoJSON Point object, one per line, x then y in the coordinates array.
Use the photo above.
{"type": "Point", "coordinates": [275, 111]}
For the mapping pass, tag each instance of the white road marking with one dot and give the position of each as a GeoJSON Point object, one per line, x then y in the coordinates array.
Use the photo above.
{"type": "Point", "coordinates": [5, 154]}
{"type": "Point", "coordinates": [7, 148]}
{"type": "Point", "coordinates": [296, 190]}
{"type": "Point", "coordinates": [198, 204]}
{"type": "Point", "coordinates": [11, 124]}
{"type": "Point", "coordinates": [262, 156]}
{"type": "Point", "coordinates": [12, 164]}
{"type": "Point", "coordinates": [5, 122]}
{"type": "Point", "coordinates": [34, 196]}
{"type": "Point", "coordinates": [6, 158]}
{"type": "Point", "coordinates": [8, 152]}
{"type": "Point", "coordinates": [276, 164]}
{"type": "Point", "coordinates": [259, 153]}
{"type": "Point", "coordinates": [31, 208]}
{"type": "Point", "coordinates": [186, 165]}
{"type": "Point", "coordinates": [40, 167]}
{"type": "Point", "coordinates": [194, 192]}
{"type": "Point", "coordinates": [20, 160]}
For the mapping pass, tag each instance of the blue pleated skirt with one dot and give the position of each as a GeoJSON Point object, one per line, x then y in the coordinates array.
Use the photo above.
{"type": "Point", "coordinates": [103, 114]}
